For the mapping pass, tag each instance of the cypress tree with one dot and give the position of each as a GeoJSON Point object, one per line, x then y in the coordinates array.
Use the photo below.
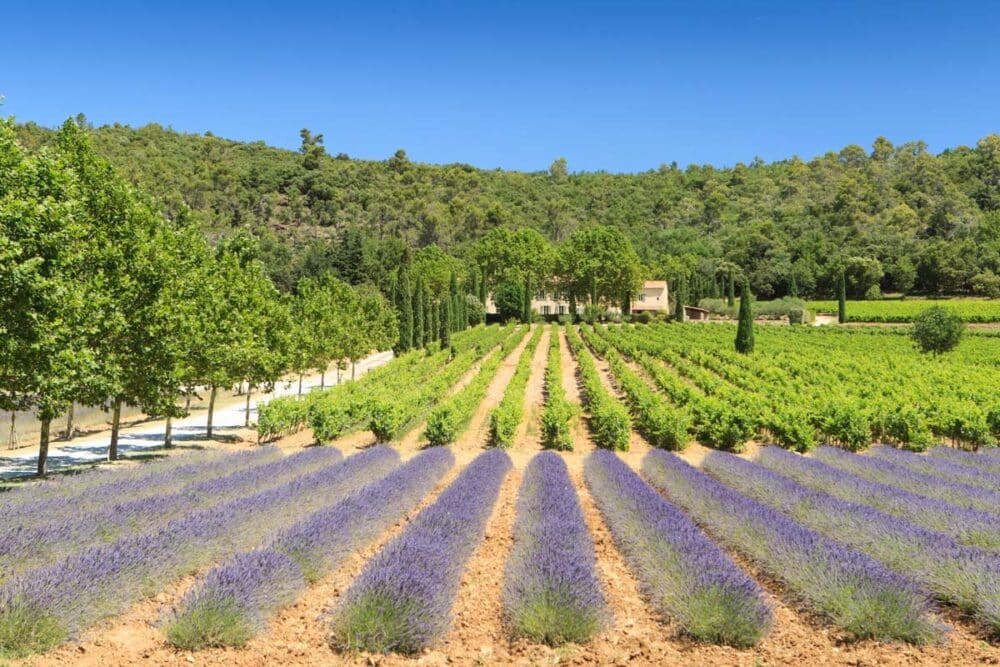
{"type": "Point", "coordinates": [435, 330]}
{"type": "Point", "coordinates": [842, 298]}
{"type": "Point", "coordinates": [445, 317]}
{"type": "Point", "coordinates": [680, 296]}
{"type": "Point", "coordinates": [425, 305]}
{"type": "Point", "coordinates": [794, 288]}
{"type": "Point", "coordinates": [744, 331]}
{"type": "Point", "coordinates": [731, 290]}
{"type": "Point", "coordinates": [418, 314]}
{"type": "Point", "coordinates": [405, 311]}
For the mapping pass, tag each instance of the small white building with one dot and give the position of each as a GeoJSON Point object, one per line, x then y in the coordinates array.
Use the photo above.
{"type": "Point", "coordinates": [652, 297]}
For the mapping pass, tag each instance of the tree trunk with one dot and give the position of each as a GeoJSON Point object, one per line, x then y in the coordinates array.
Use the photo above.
{"type": "Point", "coordinates": [12, 441]}
{"type": "Point", "coordinates": [43, 447]}
{"type": "Point", "coordinates": [338, 372]}
{"type": "Point", "coordinates": [354, 367]}
{"type": "Point", "coordinates": [211, 411]}
{"type": "Point", "coordinates": [322, 379]}
{"type": "Point", "coordinates": [116, 418]}
{"type": "Point", "coordinates": [168, 441]}
{"type": "Point", "coordinates": [300, 384]}
{"type": "Point", "coordinates": [187, 403]}
{"type": "Point", "coordinates": [69, 422]}
{"type": "Point", "coordinates": [246, 415]}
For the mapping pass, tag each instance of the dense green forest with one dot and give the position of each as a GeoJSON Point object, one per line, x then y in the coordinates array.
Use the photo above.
{"type": "Point", "coordinates": [895, 218]}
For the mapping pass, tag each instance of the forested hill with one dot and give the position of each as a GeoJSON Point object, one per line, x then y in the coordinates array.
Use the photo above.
{"type": "Point", "coordinates": [926, 222]}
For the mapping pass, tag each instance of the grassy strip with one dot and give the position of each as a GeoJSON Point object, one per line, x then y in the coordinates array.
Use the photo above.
{"type": "Point", "coordinates": [558, 411]}
{"type": "Point", "coordinates": [504, 418]}
{"type": "Point", "coordinates": [450, 417]}
{"type": "Point", "coordinates": [661, 423]}
{"type": "Point", "coordinates": [609, 421]}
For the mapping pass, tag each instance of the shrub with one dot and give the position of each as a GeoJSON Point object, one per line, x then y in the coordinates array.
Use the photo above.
{"type": "Point", "coordinates": [558, 411]}
{"type": "Point", "coordinates": [937, 330]}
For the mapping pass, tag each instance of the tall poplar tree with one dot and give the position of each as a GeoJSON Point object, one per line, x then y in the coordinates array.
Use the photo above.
{"type": "Point", "coordinates": [842, 297]}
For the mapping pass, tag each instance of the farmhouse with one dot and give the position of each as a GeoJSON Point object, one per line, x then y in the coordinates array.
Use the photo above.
{"type": "Point", "coordinates": [653, 296]}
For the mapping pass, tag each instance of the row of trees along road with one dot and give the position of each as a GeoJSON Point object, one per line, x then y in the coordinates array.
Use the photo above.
{"type": "Point", "coordinates": [107, 302]}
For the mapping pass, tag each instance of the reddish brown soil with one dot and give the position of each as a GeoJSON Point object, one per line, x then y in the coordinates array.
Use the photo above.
{"type": "Point", "coordinates": [635, 636]}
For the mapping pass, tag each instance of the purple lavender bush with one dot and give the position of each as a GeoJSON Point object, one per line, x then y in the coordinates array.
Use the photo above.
{"type": "Point", "coordinates": [551, 594]}
{"type": "Point", "coordinates": [964, 576]}
{"type": "Point", "coordinates": [34, 543]}
{"type": "Point", "coordinates": [980, 460]}
{"type": "Point", "coordinates": [855, 591]}
{"type": "Point", "coordinates": [887, 472]}
{"type": "Point", "coordinates": [45, 606]}
{"type": "Point", "coordinates": [968, 526]}
{"type": "Point", "coordinates": [938, 467]}
{"type": "Point", "coordinates": [53, 498]}
{"type": "Point", "coordinates": [682, 573]}
{"type": "Point", "coordinates": [234, 600]}
{"type": "Point", "coordinates": [402, 600]}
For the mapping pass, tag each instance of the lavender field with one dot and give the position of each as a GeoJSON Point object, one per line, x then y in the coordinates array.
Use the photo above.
{"type": "Point", "coordinates": [359, 552]}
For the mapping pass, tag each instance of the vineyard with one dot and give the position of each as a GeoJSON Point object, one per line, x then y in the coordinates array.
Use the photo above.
{"type": "Point", "coordinates": [538, 494]}
{"type": "Point", "coordinates": [970, 310]}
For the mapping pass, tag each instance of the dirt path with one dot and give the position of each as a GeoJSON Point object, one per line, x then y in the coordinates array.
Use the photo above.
{"type": "Point", "coordinates": [582, 443]}
{"type": "Point", "coordinates": [527, 435]}
{"type": "Point", "coordinates": [476, 433]}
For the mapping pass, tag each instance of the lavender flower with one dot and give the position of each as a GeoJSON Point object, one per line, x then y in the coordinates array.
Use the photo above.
{"type": "Point", "coordinates": [980, 460]}
{"type": "Point", "coordinates": [968, 526]}
{"type": "Point", "coordinates": [964, 576]}
{"type": "Point", "coordinates": [234, 600]}
{"type": "Point", "coordinates": [887, 472]}
{"type": "Point", "coordinates": [938, 467]}
{"type": "Point", "coordinates": [551, 593]}
{"type": "Point", "coordinates": [402, 600]}
{"type": "Point", "coordinates": [36, 542]}
{"type": "Point", "coordinates": [43, 607]}
{"type": "Point", "coordinates": [683, 574]}
{"type": "Point", "coordinates": [855, 591]}
{"type": "Point", "coordinates": [94, 491]}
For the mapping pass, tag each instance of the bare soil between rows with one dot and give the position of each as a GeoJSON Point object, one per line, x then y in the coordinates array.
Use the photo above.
{"type": "Point", "coordinates": [635, 635]}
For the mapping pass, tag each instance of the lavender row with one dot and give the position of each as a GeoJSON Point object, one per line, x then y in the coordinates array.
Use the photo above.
{"type": "Point", "coordinates": [854, 590]}
{"type": "Point", "coordinates": [965, 576]}
{"type": "Point", "coordinates": [145, 480]}
{"type": "Point", "coordinates": [77, 484]}
{"type": "Point", "coordinates": [887, 472]}
{"type": "Point", "coordinates": [683, 574]}
{"type": "Point", "coordinates": [402, 600]}
{"type": "Point", "coordinates": [978, 460]}
{"type": "Point", "coordinates": [32, 544]}
{"type": "Point", "coordinates": [232, 603]}
{"type": "Point", "coordinates": [45, 606]}
{"type": "Point", "coordinates": [968, 526]}
{"type": "Point", "coordinates": [551, 593]}
{"type": "Point", "coordinates": [939, 467]}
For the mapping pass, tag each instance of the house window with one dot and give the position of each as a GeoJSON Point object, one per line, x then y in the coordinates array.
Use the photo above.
{"type": "Point", "coordinates": [540, 296]}
{"type": "Point", "coordinates": [562, 309]}
{"type": "Point", "coordinates": [642, 296]}
{"type": "Point", "coordinates": [546, 309]}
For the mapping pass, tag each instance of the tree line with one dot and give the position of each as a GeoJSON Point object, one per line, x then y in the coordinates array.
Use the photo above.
{"type": "Point", "coordinates": [892, 218]}
{"type": "Point", "coordinates": [104, 300]}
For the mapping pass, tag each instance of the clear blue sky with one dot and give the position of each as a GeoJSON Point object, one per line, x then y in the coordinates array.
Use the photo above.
{"type": "Point", "coordinates": [620, 86]}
